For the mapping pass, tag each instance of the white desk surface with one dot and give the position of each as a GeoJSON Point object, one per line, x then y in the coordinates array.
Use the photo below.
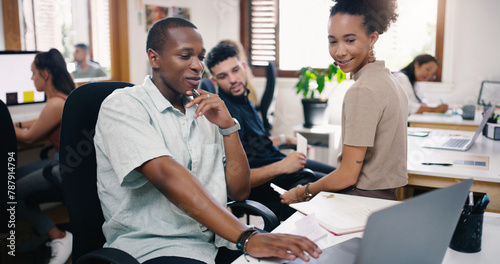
{"type": "Point", "coordinates": [482, 147]}
{"type": "Point", "coordinates": [22, 113]}
{"type": "Point", "coordinates": [438, 118]}
{"type": "Point", "coordinates": [488, 254]}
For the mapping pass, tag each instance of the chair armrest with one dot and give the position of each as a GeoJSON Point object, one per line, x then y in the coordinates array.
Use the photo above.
{"type": "Point", "coordinates": [292, 147]}
{"type": "Point", "coordinates": [50, 177]}
{"type": "Point", "coordinates": [270, 219]}
{"type": "Point", "coordinates": [44, 153]}
{"type": "Point", "coordinates": [110, 255]}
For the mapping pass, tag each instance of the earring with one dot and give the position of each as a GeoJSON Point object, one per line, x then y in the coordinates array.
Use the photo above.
{"type": "Point", "coordinates": [371, 54]}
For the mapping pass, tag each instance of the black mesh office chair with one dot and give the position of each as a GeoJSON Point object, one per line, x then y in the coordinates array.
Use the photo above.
{"type": "Point", "coordinates": [8, 146]}
{"type": "Point", "coordinates": [207, 85]}
{"type": "Point", "coordinates": [78, 171]}
{"type": "Point", "coordinates": [268, 97]}
{"type": "Point", "coordinates": [79, 176]}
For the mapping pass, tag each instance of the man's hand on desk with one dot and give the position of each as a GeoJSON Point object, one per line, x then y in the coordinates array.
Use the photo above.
{"type": "Point", "coordinates": [282, 245]}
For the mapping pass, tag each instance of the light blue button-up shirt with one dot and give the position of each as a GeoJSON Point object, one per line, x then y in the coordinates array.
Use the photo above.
{"type": "Point", "coordinates": [137, 124]}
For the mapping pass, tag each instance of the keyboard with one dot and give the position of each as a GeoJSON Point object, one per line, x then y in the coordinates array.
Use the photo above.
{"type": "Point", "coordinates": [456, 142]}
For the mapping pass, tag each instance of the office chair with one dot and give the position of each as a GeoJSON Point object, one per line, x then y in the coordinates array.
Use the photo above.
{"type": "Point", "coordinates": [268, 98]}
{"type": "Point", "coordinates": [207, 85]}
{"type": "Point", "coordinates": [79, 176]}
{"type": "Point", "coordinates": [8, 146]}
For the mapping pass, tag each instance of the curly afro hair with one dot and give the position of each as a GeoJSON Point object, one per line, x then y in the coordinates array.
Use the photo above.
{"type": "Point", "coordinates": [378, 14]}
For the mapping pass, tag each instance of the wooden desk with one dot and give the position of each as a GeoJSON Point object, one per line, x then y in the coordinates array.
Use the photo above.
{"type": "Point", "coordinates": [442, 121]}
{"type": "Point", "coordinates": [485, 181]}
{"type": "Point", "coordinates": [488, 254]}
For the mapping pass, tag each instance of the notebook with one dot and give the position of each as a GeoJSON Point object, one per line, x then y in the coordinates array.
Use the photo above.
{"type": "Point", "coordinates": [453, 143]}
{"type": "Point", "coordinates": [338, 213]}
{"type": "Point", "coordinates": [418, 230]}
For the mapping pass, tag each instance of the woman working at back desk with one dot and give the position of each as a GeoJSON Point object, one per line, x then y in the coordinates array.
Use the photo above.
{"type": "Point", "coordinates": [50, 76]}
{"type": "Point", "coordinates": [421, 69]}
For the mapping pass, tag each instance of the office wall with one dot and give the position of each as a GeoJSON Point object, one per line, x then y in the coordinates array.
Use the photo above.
{"type": "Point", "coordinates": [470, 51]}
{"type": "Point", "coordinates": [216, 20]}
{"type": "Point", "coordinates": [471, 55]}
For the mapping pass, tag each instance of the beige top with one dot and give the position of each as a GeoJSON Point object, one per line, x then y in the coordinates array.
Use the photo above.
{"type": "Point", "coordinates": [375, 111]}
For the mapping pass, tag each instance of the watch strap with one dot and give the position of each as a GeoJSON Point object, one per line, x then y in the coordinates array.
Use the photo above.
{"type": "Point", "coordinates": [230, 130]}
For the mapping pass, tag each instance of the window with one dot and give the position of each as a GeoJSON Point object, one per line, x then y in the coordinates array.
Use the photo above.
{"type": "Point", "coordinates": [63, 24]}
{"type": "Point", "coordinates": [295, 34]}
{"type": "Point", "coordinates": [45, 24]}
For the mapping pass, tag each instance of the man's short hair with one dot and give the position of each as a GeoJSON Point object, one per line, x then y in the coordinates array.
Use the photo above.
{"type": "Point", "coordinates": [158, 35]}
{"type": "Point", "coordinates": [219, 54]}
{"type": "Point", "coordinates": [82, 46]}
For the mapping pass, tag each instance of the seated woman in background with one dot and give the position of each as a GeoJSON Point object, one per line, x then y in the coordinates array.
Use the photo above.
{"type": "Point", "coordinates": [51, 76]}
{"type": "Point", "coordinates": [421, 69]}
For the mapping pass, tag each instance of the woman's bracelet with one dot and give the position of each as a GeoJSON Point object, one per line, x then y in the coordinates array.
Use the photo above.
{"type": "Point", "coordinates": [307, 194]}
{"type": "Point", "coordinates": [242, 241]}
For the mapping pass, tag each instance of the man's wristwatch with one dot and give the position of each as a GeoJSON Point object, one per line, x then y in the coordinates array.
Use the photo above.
{"type": "Point", "coordinates": [230, 130]}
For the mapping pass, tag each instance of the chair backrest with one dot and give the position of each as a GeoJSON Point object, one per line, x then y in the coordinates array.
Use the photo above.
{"type": "Point", "coordinates": [207, 85]}
{"type": "Point", "coordinates": [78, 164]}
{"type": "Point", "coordinates": [268, 97]}
{"type": "Point", "coordinates": [8, 148]}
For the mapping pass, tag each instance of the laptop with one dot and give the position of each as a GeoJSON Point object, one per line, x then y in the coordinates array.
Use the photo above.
{"type": "Point", "coordinates": [452, 143]}
{"type": "Point", "coordinates": [418, 230]}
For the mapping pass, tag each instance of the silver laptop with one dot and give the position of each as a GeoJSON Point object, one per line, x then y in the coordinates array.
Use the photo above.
{"type": "Point", "coordinates": [418, 230]}
{"type": "Point", "coordinates": [452, 143]}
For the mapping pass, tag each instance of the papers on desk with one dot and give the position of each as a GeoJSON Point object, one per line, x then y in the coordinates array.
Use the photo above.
{"type": "Point", "coordinates": [310, 228]}
{"type": "Point", "coordinates": [340, 214]}
{"type": "Point", "coordinates": [418, 133]}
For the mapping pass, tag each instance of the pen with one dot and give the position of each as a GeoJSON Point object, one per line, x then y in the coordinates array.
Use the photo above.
{"type": "Point", "coordinates": [441, 101]}
{"type": "Point", "coordinates": [195, 93]}
{"type": "Point", "coordinates": [437, 163]}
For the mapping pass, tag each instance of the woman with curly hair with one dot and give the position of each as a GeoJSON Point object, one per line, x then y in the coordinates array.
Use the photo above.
{"type": "Point", "coordinates": [374, 110]}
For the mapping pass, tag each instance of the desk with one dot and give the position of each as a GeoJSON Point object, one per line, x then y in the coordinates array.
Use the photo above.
{"type": "Point", "coordinates": [442, 121]}
{"type": "Point", "coordinates": [485, 181]}
{"type": "Point", "coordinates": [488, 254]}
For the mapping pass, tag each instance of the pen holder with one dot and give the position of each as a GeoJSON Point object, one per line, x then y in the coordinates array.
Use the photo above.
{"type": "Point", "coordinates": [468, 233]}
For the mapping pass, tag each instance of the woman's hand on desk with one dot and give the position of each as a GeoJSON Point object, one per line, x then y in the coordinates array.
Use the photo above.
{"type": "Point", "coordinates": [441, 108]}
{"type": "Point", "coordinates": [283, 246]}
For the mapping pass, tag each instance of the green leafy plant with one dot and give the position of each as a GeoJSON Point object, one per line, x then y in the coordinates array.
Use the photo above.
{"type": "Point", "coordinates": [309, 75]}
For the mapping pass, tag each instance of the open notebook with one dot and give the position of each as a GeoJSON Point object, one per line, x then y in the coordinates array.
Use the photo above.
{"type": "Point", "coordinates": [338, 213]}
{"type": "Point", "coordinates": [453, 143]}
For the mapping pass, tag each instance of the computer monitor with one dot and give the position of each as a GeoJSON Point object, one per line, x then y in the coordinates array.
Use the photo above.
{"type": "Point", "coordinates": [16, 86]}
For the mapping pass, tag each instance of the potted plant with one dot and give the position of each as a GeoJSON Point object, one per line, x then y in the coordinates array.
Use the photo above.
{"type": "Point", "coordinates": [311, 84]}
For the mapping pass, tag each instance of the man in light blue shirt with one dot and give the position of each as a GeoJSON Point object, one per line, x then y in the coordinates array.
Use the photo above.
{"type": "Point", "coordinates": [166, 163]}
